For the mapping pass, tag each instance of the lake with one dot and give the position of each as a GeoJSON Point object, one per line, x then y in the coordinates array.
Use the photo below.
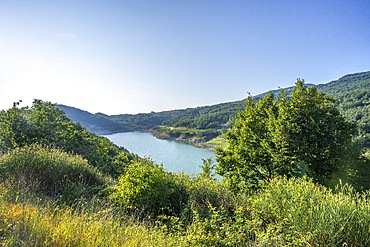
{"type": "Point", "coordinates": [174, 156]}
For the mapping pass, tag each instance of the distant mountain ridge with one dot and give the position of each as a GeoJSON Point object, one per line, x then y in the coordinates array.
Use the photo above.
{"type": "Point", "coordinates": [352, 93]}
{"type": "Point", "coordinates": [96, 123]}
{"type": "Point", "coordinates": [100, 123]}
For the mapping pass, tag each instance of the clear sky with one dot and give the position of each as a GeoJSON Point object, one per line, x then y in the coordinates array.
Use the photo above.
{"type": "Point", "coordinates": [140, 56]}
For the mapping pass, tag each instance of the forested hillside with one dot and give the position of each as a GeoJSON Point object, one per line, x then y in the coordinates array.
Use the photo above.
{"type": "Point", "coordinates": [202, 124]}
{"type": "Point", "coordinates": [352, 94]}
{"type": "Point", "coordinates": [102, 123]}
{"type": "Point", "coordinates": [96, 123]}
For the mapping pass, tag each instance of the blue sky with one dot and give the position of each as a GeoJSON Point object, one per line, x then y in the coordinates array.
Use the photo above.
{"type": "Point", "coordinates": [140, 56]}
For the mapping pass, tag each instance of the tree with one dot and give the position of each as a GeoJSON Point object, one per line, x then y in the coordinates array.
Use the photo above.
{"type": "Point", "coordinates": [248, 158]}
{"type": "Point", "coordinates": [314, 132]}
{"type": "Point", "coordinates": [14, 128]}
{"type": "Point", "coordinates": [299, 135]}
{"type": "Point", "coordinates": [208, 169]}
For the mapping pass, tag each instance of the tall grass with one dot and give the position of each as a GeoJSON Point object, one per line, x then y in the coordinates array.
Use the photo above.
{"type": "Point", "coordinates": [300, 213]}
{"type": "Point", "coordinates": [25, 224]}
{"type": "Point", "coordinates": [35, 184]}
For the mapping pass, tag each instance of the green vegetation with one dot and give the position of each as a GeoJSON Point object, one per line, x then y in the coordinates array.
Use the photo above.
{"type": "Point", "coordinates": [60, 185]}
{"type": "Point", "coordinates": [96, 123]}
{"type": "Point", "coordinates": [51, 172]}
{"type": "Point", "coordinates": [294, 212]}
{"type": "Point", "coordinates": [50, 224]}
{"type": "Point", "coordinates": [218, 142]}
{"type": "Point", "coordinates": [300, 213]}
{"type": "Point", "coordinates": [301, 135]}
{"type": "Point", "coordinates": [195, 137]}
{"type": "Point", "coordinates": [45, 124]}
{"type": "Point", "coordinates": [148, 189]}
{"type": "Point", "coordinates": [351, 93]}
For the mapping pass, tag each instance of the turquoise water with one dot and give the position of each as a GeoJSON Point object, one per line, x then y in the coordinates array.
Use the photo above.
{"type": "Point", "coordinates": [174, 156]}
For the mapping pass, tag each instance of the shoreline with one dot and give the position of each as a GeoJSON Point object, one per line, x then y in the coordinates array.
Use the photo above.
{"type": "Point", "coordinates": [194, 143]}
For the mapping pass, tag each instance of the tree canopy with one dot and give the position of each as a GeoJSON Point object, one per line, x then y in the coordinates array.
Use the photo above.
{"type": "Point", "coordinates": [304, 134]}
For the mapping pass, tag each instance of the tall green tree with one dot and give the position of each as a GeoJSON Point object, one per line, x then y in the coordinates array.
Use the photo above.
{"type": "Point", "coordinates": [313, 131]}
{"type": "Point", "coordinates": [14, 128]}
{"type": "Point", "coordinates": [299, 135]}
{"type": "Point", "coordinates": [249, 158]}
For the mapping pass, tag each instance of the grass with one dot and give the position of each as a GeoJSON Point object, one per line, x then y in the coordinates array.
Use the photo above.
{"type": "Point", "coordinates": [300, 213]}
{"type": "Point", "coordinates": [51, 172]}
{"type": "Point", "coordinates": [25, 224]}
{"type": "Point", "coordinates": [219, 142]}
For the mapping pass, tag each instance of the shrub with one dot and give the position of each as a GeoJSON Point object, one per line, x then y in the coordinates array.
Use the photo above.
{"type": "Point", "coordinates": [43, 123]}
{"type": "Point", "coordinates": [148, 189]}
{"type": "Point", "coordinates": [50, 171]}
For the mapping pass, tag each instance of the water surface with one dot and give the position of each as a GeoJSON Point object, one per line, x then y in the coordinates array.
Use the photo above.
{"type": "Point", "coordinates": [173, 155]}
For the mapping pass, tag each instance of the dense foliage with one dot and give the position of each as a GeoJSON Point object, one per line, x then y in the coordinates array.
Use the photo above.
{"type": "Point", "coordinates": [191, 136]}
{"type": "Point", "coordinates": [45, 124]}
{"type": "Point", "coordinates": [301, 135]}
{"type": "Point", "coordinates": [293, 212]}
{"type": "Point", "coordinates": [96, 123]}
{"type": "Point", "coordinates": [147, 189]}
{"type": "Point", "coordinates": [206, 117]}
{"type": "Point", "coordinates": [351, 93]}
{"type": "Point", "coordinates": [297, 212]}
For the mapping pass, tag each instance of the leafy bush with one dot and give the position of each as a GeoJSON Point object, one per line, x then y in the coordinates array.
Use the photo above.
{"type": "Point", "coordinates": [301, 135]}
{"type": "Point", "coordinates": [50, 171]}
{"type": "Point", "coordinates": [148, 189]}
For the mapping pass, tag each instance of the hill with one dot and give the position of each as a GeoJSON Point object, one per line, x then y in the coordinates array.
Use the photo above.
{"type": "Point", "coordinates": [96, 123]}
{"type": "Point", "coordinates": [100, 123]}
{"type": "Point", "coordinates": [351, 92]}
{"type": "Point", "coordinates": [352, 95]}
